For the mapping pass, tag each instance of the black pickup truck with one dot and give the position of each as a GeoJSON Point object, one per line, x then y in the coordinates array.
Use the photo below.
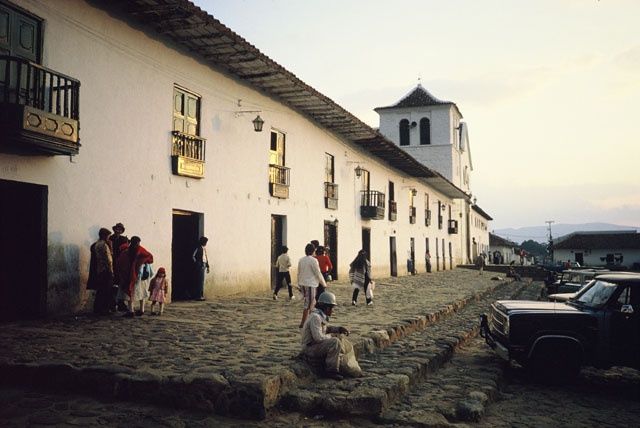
{"type": "Point", "coordinates": [599, 327]}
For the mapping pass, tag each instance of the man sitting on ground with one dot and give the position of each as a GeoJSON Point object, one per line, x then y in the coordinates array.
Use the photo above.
{"type": "Point", "coordinates": [317, 341]}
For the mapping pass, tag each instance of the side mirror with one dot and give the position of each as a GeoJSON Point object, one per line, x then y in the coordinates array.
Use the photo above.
{"type": "Point", "coordinates": [627, 309]}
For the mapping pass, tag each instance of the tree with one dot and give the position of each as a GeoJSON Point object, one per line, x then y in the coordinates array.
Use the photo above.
{"type": "Point", "coordinates": [532, 247]}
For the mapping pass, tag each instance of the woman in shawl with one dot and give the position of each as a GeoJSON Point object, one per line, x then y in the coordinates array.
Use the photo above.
{"type": "Point", "coordinates": [360, 277]}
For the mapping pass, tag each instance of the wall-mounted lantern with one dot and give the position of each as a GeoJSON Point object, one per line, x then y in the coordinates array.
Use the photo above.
{"type": "Point", "coordinates": [257, 123]}
{"type": "Point", "coordinates": [358, 171]}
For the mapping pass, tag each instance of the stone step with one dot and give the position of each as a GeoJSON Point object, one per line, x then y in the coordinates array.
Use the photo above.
{"type": "Point", "coordinates": [393, 371]}
{"type": "Point", "coordinates": [460, 390]}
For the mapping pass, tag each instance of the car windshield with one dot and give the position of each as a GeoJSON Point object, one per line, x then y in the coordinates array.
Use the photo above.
{"type": "Point", "coordinates": [597, 294]}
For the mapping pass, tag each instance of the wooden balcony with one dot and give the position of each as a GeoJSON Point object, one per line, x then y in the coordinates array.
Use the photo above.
{"type": "Point", "coordinates": [279, 181]}
{"type": "Point", "coordinates": [187, 154]}
{"type": "Point", "coordinates": [330, 196]}
{"type": "Point", "coordinates": [453, 226]}
{"type": "Point", "coordinates": [393, 210]}
{"type": "Point", "coordinates": [427, 218]}
{"type": "Point", "coordinates": [372, 205]}
{"type": "Point", "coordinates": [412, 215]}
{"type": "Point", "coordinates": [39, 109]}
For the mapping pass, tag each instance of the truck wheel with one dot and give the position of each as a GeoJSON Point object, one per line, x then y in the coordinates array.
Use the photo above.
{"type": "Point", "coordinates": [555, 362]}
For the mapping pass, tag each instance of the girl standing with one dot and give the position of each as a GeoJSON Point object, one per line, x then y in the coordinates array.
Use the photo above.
{"type": "Point", "coordinates": [159, 288]}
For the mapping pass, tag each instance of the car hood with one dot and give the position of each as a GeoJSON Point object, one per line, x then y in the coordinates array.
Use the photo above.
{"type": "Point", "coordinates": [561, 297]}
{"type": "Point", "coordinates": [533, 306]}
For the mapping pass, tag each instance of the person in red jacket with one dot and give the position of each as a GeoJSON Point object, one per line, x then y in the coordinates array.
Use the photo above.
{"type": "Point", "coordinates": [129, 264]}
{"type": "Point", "coordinates": [325, 263]}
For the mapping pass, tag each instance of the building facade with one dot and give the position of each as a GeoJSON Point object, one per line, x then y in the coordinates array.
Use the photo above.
{"type": "Point", "coordinates": [502, 251]}
{"type": "Point", "coordinates": [432, 131]}
{"type": "Point", "coordinates": [607, 249]}
{"type": "Point", "coordinates": [146, 113]}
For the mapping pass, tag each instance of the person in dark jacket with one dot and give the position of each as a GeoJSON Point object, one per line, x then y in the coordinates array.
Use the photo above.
{"type": "Point", "coordinates": [201, 263]}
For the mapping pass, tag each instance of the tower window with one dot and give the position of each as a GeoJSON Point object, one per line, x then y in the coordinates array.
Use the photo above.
{"type": "Point", "coordinates": [404, 132]}
{"type": "Point", "coordinates": [425, 131]}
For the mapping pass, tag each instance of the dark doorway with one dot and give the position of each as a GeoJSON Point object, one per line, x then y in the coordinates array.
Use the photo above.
{"type": "Point", "coordinates": [277, 241]}
{"type": "Point", "coordinates": [187, 229]}
{"type": "Point", "coordinates": [580, 258]}
{"type": "Point", "coordinates": [366, 241]}
{"type": "Point", "coordinates": [444, 258]}
{"type": "Point", "coordinates": [331, 242]}
{"type": "Point", "coordinates": [393, 255]}
{"type": "Point", "coordinates": [450, 256]}
{"type": "Point", "coordinates": [437, 256]}
{"type": "Point", "coordinates": [426, 259]}
{"type": "Point", "coordinates": [23, 250]}
{"type": "Point", "coordinates": [412, 256]}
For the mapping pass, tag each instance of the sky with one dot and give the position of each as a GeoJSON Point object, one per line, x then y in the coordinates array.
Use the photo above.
{"type": "Point", "coordinates": [549, 89]}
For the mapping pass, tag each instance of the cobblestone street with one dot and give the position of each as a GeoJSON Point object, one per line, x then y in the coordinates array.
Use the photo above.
{"type": "Point", "coordinates": [197, 363]}
{"type": "Point", "coordinates": [233, 356]}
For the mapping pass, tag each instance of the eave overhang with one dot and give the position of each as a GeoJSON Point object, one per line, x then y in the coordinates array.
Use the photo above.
{"type": "Point", "coordinates": [209, 40]}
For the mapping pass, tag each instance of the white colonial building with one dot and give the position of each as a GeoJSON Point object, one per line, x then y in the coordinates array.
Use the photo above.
{"type": "Point", "coordinates": [502, 251]}
{"type": "Point", "coordinates": [605, 248]}
{"type": "Point", "coordinates": [146, 112]}
{"type": "Point", "coordinates": [432, 131]}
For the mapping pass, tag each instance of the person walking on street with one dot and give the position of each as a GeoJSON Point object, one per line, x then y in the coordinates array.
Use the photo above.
{"type": "Point", "coordinates": [119, 243]}
{"type": "Point", "coordinates": [480, 263]}
{"type": "Point", "coordinates": [427, 261]}
{"type": "Point", "coordinates": [317, 341]}
{"type": "Point", "coordinates": [360, 277]}
{"type": "Point", "coordinates": [309, 276]}
{"type": "Point", "coordinates": [159, 288]}
{"type": "Point", "coordinates": [201, 262]}
{"type": "Point", "coordinates": [101, 274]}
{"type": "Point", "coordinates": [283, 263]}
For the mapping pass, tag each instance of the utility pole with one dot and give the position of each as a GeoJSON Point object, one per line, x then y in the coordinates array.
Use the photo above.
{"type": "Point", "coordinates": [550, 244]}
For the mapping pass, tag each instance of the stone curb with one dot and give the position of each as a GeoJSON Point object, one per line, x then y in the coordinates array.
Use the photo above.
{"type": "Point", "coordinates": [471, 407]}
{"type": "Point", "coordinates": [373, 400]}
{"type": "Point", "coordinates": [248, 397]}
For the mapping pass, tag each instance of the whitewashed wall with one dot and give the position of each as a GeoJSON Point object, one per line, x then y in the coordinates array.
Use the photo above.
{"type": "Point", "coordinates": [598, 257]}
{"type": "Point", "coordinates": [123, 171]}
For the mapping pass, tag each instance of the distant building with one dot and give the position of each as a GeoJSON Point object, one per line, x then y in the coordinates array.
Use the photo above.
{"type": "Point", "coordinates": [607, 248]}
{"type": "Point", "coordinates": [502, 251]}
{"type": "Point", "coordinates": [432, 131]}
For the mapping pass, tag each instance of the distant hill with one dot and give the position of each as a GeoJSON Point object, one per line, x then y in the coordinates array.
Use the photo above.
{"type": "Point", "coordinates": [541, 234]}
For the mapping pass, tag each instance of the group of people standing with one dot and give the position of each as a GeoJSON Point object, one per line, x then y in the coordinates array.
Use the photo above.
{"type": "Point", "coordinates": [121, 273]}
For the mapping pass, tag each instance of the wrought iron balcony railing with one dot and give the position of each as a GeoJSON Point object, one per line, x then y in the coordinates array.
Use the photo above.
{"type": "Point", "coordinates": [279, 181]}
{"type": "Point", "coordinates": [453, 226]}
{"type": "Point", "coordinates": [393, 210]}
{"type": "Point", "coordinates": [188, 154]}
{"type": "Point", "coordinates": [412, 215]}
{"type": "Point", "coordinates": [372, 204]}
{"type": "Point", "coordinates": [40, 108]}
{"type": "Point", "coordinates": [427, 218]}
{"type": "Point", "coordinates": [330, 195]}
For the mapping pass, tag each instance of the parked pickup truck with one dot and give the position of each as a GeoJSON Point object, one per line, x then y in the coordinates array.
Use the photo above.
{"type": "Point", "coordinates": [571, 281]}
{"type": "Point", "coordinates": [599, 327]}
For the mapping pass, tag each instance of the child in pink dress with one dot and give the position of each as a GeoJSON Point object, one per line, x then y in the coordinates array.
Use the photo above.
{"type": "Point", "coordinates": [158, 288]}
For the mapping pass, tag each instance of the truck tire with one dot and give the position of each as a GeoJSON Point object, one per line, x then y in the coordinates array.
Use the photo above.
{"type": "Point", "coordinates": [555, 361]}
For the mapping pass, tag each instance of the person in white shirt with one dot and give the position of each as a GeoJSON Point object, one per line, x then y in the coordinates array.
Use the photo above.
{"type": "Point", "coordinates": [309, 276]}
{"type": "Point", "coordinates": [283, 263]}
{"type": "Point", "coordinates": [317, 341]}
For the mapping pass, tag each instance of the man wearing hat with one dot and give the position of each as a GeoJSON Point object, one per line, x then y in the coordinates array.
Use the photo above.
{"type": "Point", "coordinates": [317, 341]}
{"type": "Point", "coordinates": [101, 274]}
{"type": "Point", "coordinates": [118, 245]}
